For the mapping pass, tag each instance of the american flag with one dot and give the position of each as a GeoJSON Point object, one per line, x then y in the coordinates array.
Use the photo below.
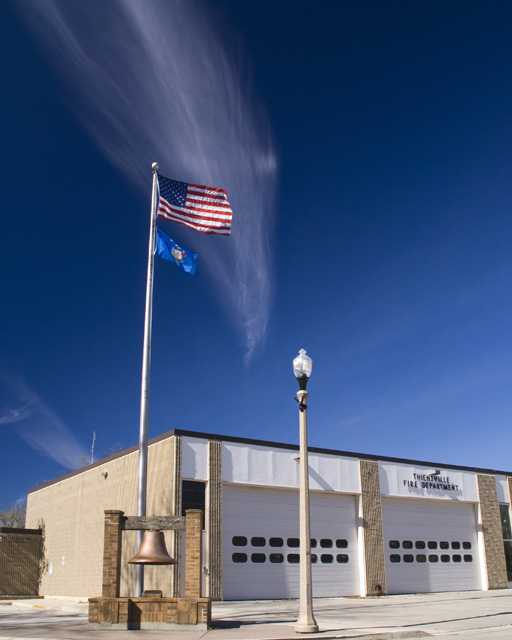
{"type": "Point", "coordinates": [204, 209]}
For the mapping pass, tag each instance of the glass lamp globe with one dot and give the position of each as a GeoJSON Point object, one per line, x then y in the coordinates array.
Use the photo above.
{"type": "Point", "coordinates": [302, 366]}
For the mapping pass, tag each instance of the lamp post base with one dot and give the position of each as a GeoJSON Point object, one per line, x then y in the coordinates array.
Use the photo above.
{"type": "Point", "coordinates": [306, 627]}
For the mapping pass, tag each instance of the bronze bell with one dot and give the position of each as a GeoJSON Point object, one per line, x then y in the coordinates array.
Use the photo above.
{"type": "Point", "coordinates": [152, 550]}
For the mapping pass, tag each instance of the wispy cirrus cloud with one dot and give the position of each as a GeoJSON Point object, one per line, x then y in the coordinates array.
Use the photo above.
{"type": "Point", "coordinates": [158, 81]}
{"type": "Point", "coordinates": [27, 415]}
{"type": "Point", "coordinates": [15, 415]}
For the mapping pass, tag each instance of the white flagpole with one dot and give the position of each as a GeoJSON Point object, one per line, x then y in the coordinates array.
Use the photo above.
{"type": "Point", "coordinates": [144, 394]}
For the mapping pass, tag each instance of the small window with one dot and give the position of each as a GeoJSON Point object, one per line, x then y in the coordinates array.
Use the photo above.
{"type": "Point", "coordinates": [444, 545]}
{"type": "Point", "coordinates": [466, 545]}
{"type": "Point", "coordinates": [341, 544]}
{"type": "Point", "coordinates": [239, 541]}
{"type": "Point", "coordinates": [257, 541]}
{"type": "Point", "coordinates": [455, 545]}
{"type": "Point", "coordinates": [314, 558]}
{"type": "Point", "coordinates": [432, 544]}
{"type": "Point", "coordinates": [433, 558]}
{"type": "Point", "coordinates": [293, 542]}
{"type": "Point", "coordinates": [394, 557]}
{"type": "Point", "coordinates": [421, 557]}
{"type": "Point", "coordinates": [258, 557]}
{"type": "Point", "coordinates": [445, 558]}
{"type": "Point", "coordinates": [342, 558]}
{"type": "Point", "coordinates": [505, 525]}
{"type": "Point", "coordinates": [456, 558]}
{"type": "Point", "coordinates": [313, 543]}
{"type": "Point", "coordinates": [468, 557]}
{"type": "Point", "coordinates": [276, 558]}
{"type": "Point", "coordinates": [239, 557]}
{"type": "Point", "coordinates": [326, 558]}
{"type": "Point", "coordinates": [193, 495]}
{"type": "Point", "coordinates": [420, 544]}
{"type": "Point", "coordinates": [276, 542]}
{"type": "Point", "coordinates": [325, 543]}
{"type": "Point", "coordinates": [408, 557]}
{"type": "Point", "coordinates": [394, 544]}
{"type": "Point", "coordinates": [293, 558]}
{"type": "Point", "coordinates": [407, 544]}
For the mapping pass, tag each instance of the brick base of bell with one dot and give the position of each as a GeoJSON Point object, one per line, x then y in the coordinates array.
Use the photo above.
{"type": "Point", "coordinates": [149, 613]}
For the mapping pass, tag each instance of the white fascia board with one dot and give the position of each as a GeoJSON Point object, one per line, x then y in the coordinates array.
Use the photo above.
{"type": "Point", "coordinates": [410, 481]}
{"type": "Point", "coordinates": [502, 489]}
{"type": "Point", "coordinates": [194, 460]}
{"type": "Point", "coordinates": [272, 467]}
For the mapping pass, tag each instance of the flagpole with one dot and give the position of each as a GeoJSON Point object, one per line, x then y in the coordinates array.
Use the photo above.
{"type": "Point", "coordinates": [144, 394]}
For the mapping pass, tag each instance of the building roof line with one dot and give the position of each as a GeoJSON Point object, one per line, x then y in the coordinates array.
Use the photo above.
{"type": "Point", "coordinates": [267, 443]}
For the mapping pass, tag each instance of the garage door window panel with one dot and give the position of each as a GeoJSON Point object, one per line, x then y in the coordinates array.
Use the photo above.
{"type": "Point", "coordinates": [276, 542]}
{"type": "Point", "coordinates": [258, 557]}
{"type": "Point", "coordinates": [239, 557]}
{"type": "Point", "coordinates": [257, 541]}
{"type": "Point", "coordinates": [276, 558]}
{"type": "Point", "coordinates": [239, 541]}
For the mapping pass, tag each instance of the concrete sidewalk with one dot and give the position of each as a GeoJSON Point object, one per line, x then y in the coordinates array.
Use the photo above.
{"type": "Point", "coordinates": [471, 614]}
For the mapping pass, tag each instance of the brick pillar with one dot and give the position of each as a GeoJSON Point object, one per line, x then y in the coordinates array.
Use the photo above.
{"type": "Point", "coordinates": [193, 553]}
{"type": "Point", "coordinates": [175, 488]}
{"type": "Point", "coordinates": [214, 520]}
{"type": "Point", "coordinates": [375, 563]}
{"type": "Point", "coordinates": [493, 536]}
{"type": "Point", "coordinates": [112, 554]}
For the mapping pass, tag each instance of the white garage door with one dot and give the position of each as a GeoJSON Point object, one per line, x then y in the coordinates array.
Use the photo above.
{"type": "Point", "coordinates": [261, 543]}
{"type": "Point", "coordinates": [430, 546]}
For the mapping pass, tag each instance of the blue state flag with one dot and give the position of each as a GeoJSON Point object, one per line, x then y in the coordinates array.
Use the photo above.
{"type": "Point", "coordinates": [169, 250]}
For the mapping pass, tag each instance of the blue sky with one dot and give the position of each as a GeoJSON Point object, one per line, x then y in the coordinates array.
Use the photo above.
{"type": "Point", "coordinates": [367, 150]}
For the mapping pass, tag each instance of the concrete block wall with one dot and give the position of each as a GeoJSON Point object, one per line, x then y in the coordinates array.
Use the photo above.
{"type": "Point", "coordinates": [71, 512]}
{"type": "Point", "coordinates": [20, 561]}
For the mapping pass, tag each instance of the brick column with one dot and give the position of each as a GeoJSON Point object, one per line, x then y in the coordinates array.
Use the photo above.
{"type": "Point", "coordinates": [375, 564]}
{"type": "Point", "coordinates": [112, 554]}
{"type": "Point", "coordinates": [193, 553]}
{"type": "Point", "coordinates": [175, 487]}
{"type": "Point", "coordinates": [493, 536]}
{"type": "Point", "coordinates": [214, 519]}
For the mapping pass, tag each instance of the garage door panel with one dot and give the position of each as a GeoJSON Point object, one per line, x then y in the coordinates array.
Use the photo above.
{"type": "Point", "coordinates": [273, 515]}
{"type": "Point", "coordinates": [430, 546]}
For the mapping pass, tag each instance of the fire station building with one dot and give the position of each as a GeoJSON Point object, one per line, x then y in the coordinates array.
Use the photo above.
{"type": "Point", "coordinates": [378, 525]}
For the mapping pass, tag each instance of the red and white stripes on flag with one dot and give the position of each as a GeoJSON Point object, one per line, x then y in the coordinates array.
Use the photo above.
{"type": "Point", "coordinates": [205, 209]}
